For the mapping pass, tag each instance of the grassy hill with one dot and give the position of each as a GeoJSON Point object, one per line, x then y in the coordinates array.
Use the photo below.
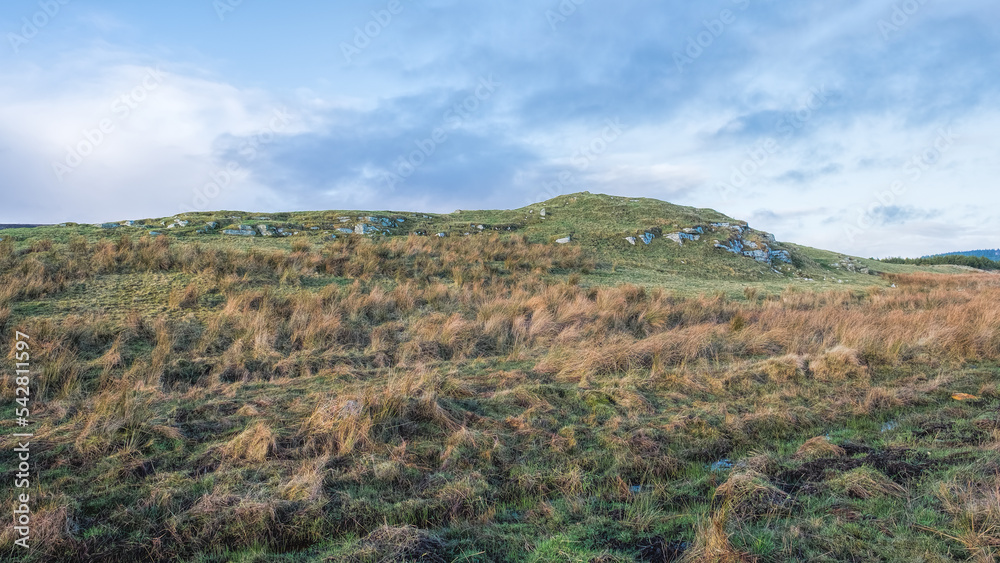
{"type": "Point", "coordinates": [499, 396]}
{"type": "Point", "coordinates": [596, 223]}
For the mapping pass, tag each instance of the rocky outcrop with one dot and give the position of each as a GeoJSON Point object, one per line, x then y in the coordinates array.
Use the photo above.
{"type": "Point", "coordinates": [737, 238]}
{"type": "Point", "coordinates": [744, 241]}
{"type": "Point", "coordinates": [680, 237]}
{"type": "Point", "coordinates": [851, 265]}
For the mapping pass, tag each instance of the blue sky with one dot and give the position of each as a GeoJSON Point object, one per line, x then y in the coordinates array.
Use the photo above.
{"type": "Point", "coordinates": [866, 127]}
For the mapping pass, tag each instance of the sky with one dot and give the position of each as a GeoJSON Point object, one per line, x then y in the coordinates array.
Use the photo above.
{"type": "Point", "coordinates": [868, 127]}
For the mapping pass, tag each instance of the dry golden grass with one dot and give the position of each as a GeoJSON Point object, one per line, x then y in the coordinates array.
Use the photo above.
{"type": "Point", "coordinates": [253, 445]}
{"type": "Point", "coordinates": [865, 482]}
{"type": "Point", "coordinates": [819, 447]}
{"type": "Point", "coordinates": [436, 374]}
{"type": "Point", "coordinates": [975, 508]}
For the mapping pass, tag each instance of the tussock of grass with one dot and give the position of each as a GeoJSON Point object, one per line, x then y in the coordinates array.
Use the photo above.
{"type": "Point", "coordinates": [865, 482]}
{"type": "Point", "coordinates": [253, 445]}
{"type": "Point", "coordinates": [819, 447]}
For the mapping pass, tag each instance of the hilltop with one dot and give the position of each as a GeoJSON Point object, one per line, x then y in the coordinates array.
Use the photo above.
{"type": "Point", "coordinates": [637, 240]}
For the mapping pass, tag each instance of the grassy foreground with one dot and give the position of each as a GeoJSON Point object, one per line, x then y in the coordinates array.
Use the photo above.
{"type": "Point", "coordinates": [494, 398]}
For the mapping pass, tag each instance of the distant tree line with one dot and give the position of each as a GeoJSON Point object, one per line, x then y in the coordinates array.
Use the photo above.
{"type": "Point", "coordinates": [954, 259]}
{"type": "Point", "coordinates": [991, 253]}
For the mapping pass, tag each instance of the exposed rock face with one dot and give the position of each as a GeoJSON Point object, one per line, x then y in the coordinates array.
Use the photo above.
{"type": "Point", "coordinates": [781, 255]}
{"type": "Point", "coordinates": [240, 232]}
{"type": "Point", "coordinates": [680, 237]}
{"type": "Point", "coordinates": [760, 249]}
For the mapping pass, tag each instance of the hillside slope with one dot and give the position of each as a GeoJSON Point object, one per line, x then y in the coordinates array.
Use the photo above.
{"type": "Point", "coordinates": [637, 240]}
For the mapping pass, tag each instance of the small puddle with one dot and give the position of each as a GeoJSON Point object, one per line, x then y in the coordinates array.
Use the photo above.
{"type": "Point", "coordinates": [721, 465]}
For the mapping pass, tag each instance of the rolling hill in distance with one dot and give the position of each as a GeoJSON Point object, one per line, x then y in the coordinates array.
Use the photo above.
{"type": "Point", "coordinates": [991, 253]}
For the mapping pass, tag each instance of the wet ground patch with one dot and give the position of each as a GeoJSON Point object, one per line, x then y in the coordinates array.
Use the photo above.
{"type": "Point", "coordinates": [899, 464]}
{"type": "Point", "coordinates": [651, 549]}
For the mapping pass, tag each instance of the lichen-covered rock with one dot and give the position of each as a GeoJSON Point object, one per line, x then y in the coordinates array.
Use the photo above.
{"type": "Point", "coordinates": [240, 232]}
{"type": "Point", "coordinates": [734, 245]}
{"type": "Point", "coordinates": [781, 255]}
{"type": "Point", "coordinates": [680, 237]}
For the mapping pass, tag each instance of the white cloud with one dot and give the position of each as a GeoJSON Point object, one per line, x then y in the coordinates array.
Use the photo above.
{"type": "Point", "coordinates": [127, 140]}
